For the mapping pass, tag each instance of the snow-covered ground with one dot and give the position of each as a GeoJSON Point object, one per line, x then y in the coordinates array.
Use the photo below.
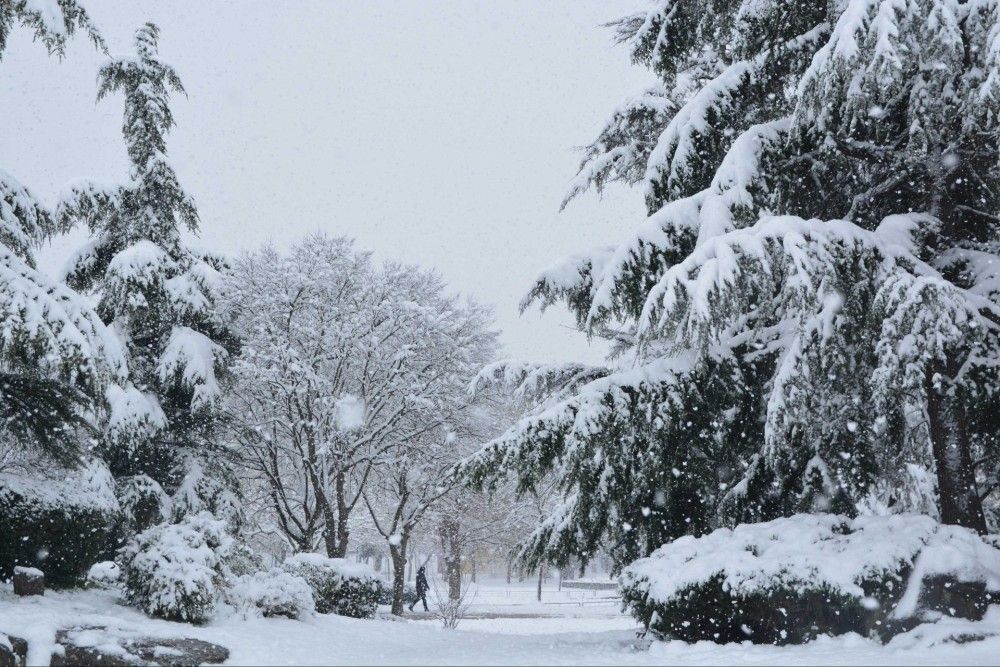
{"type": "Point", "coordinates": [577, 628]}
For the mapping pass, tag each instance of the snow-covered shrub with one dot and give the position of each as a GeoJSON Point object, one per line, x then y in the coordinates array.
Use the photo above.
{"type": "Point", "coordinates": [274, 592]}
{"type": "Point", "coordinates": [105, 573]}
{"type": "Point", "coordinates": [339, 586]}
{"type": "Point", "coordinates": [385, 593]}
{"type": "Point", "coordinates": [174, 571]}
{"type": "Point", "coordinates": [61, 525]}
{"type": "Point", "coordinates": [789, 580]}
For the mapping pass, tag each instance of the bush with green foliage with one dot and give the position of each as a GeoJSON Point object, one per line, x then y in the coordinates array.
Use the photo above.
{"type": "Point", "coordinates": [339, 586]}
{"type": "Point", "coordinates": [273, 592]}
{"type": "Point", "coordinates": [175, 571]}
{"type": "Point", "coordinates": [790, 580]}
{"type": "Point", "coordinates": [385, 594]}
{"type": "Point", "coordinates": [60, 525]}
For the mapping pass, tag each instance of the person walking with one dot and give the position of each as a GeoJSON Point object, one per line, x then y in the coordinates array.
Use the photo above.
{"type": "Point", "coordinates": [421, 588]}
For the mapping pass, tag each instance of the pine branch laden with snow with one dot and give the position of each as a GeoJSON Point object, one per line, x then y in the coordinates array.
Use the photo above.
{"type": "Point", "coordinates": [535, 383]}
{"type": "Point", "coordinates": [24, 221]}
{"type": "Point", "coordinates": [635, 456]}
{"type": "Point", "coordinates": [822, 197]}
{"type": "Point", "coordinates": [57, 354]}
{"type": "Point", "coordinates": [159, 294]}
{"type": "Point", "coordinates": [51, 21]}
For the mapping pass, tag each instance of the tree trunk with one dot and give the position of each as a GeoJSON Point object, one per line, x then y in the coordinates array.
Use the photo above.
{"type": "Point", "coordinates": [472, 564]}
{"type": "Point", "coordinates": [451, 544]}
{"type": "Point", "coordinates": [343, 514]}
{"type": "Point", "coordinates": [398, 557]}
{"type": "Point", "coordinates": [510, 568]}
{"type": "Point", "coordinates": [957, 492]}
{"type": "Point", "coordinates": [541, 576]}
{"type": "Point", "coordinates": [454, 566]}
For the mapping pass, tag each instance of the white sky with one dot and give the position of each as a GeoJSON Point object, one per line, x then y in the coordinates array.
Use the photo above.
{"type": "Point", "coordinates": [434, 132]}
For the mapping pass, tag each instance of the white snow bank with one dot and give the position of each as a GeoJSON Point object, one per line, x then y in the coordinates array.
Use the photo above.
{"type": "Point", "coordinates": [105, 572]}
{"type": "Point", "coordinates": [328, 640]}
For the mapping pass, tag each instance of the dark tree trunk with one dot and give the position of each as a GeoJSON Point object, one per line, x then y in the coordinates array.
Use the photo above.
{"type": "Point", "coordinates": [541, 577]}
{"type": "Point", "coordinates": [958, 496]}
{"type": "Point", "coordinates": [451, 543]}
{"type": "Point", "coordinates": [455, 578]}
{"type": "Point", "coordinates": [343, 514]}
{"type": "Point", "coordinates": [397, 554]}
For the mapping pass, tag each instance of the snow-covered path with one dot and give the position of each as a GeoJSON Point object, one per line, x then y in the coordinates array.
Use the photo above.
{"type": "Point", "coordinates": [593, 638]}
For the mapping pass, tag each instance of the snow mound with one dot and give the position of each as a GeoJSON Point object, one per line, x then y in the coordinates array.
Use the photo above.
{"type": "Point", "coordinates": [105, 572]}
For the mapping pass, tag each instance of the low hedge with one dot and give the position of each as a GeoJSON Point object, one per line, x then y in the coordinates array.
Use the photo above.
{"type": "Point", "coordinates": [339, 586]}
{"type": "Point", "coordinates": [61, 531]}
{"type": "Point", "coordinates": [790, 580]}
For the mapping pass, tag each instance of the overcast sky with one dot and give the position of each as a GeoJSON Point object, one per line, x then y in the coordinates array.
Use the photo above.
{"type": "Point", "coordinates": [439, 133]}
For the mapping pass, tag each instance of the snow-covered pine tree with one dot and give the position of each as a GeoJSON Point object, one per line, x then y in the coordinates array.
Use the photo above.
{"type": "Point", "coordinates": [158, 294]}
{"type": "Point", "coordinates": [56, 353]}
{"type": "Point", "coordinates": [808, 319]}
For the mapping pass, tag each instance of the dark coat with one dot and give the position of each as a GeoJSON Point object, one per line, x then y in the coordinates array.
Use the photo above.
{"type": "Point", "coordinates": [421, 582]}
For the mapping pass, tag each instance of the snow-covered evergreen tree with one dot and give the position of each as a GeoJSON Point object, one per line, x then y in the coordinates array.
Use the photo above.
{"type": "Point", "coordinates": [157, 293]}
{"type": "Point", "coordinates": [55, 352]}
{"type": "Point", "coordinates": [809, 317]}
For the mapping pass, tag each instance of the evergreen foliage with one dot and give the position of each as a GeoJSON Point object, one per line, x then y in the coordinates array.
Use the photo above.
{"type": "Point", "coordinates": [176, 571]}
{"type": "Point", "coordinates": [56, 354]}
{"type": "Point", "coordinates": [157, 293]}
{"type": "Point", "coordinates": [809, 319]}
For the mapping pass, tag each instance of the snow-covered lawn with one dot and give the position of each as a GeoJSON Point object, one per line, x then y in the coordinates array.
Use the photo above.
{"type": "Point", "coordinates": [575, 629]}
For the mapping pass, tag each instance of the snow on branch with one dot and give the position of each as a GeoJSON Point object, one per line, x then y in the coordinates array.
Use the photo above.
{"type": "Point", "coordinates": [674, 158]}
{"type": "Point", "coordinates": [24, 221]}
{"type": "Point", "coordinates": [534, 382]}
{"type": "Point", "coordinates": [53, 22]}
{"type": "Point", "coordinates": [190, 360]}
{"type": "Point", "coordinates": [53, 325]}
{"type": "Point", "coordinates": [622, 148]}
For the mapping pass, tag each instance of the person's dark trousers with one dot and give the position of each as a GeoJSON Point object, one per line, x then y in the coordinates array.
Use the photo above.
{"type": "Point", "coordinates": [422, 598]}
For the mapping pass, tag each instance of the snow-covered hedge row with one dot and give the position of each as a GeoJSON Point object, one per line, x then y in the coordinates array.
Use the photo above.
{"type": "Point", "coordinates": [339, 586]}
{"type": "Point", "coordinates": [272, 593]}
{"type": "Point", "coordinates": [62, 524]}
{"type": "Point", "coordinates": [789, 580]}
{"type": "Point", "coordinates": [175, 571]}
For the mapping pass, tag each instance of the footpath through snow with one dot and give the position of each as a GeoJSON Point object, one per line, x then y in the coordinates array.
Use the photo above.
{"type": "Point", "coordinates": [596, 637]}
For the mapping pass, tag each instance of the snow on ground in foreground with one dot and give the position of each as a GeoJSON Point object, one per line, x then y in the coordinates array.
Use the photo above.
{"type": "Point", "coordinates": [575, 631]}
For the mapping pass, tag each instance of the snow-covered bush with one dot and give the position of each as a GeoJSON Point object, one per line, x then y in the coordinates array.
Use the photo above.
{"type": "Point", "coordinates": [274, 592]}
{"type": "Point", "coordinates": [61, 524]}
{"type": "Point", "coordinates": [339, 586]}
{"type": "Point", "coordinates": [385, 593]}
{"type": "Point", "coordinates": [105, 573]}
{"type": "Point", "coordinates": [174, 571]}
{"type": "Point", "coordinates": [789, 580]}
